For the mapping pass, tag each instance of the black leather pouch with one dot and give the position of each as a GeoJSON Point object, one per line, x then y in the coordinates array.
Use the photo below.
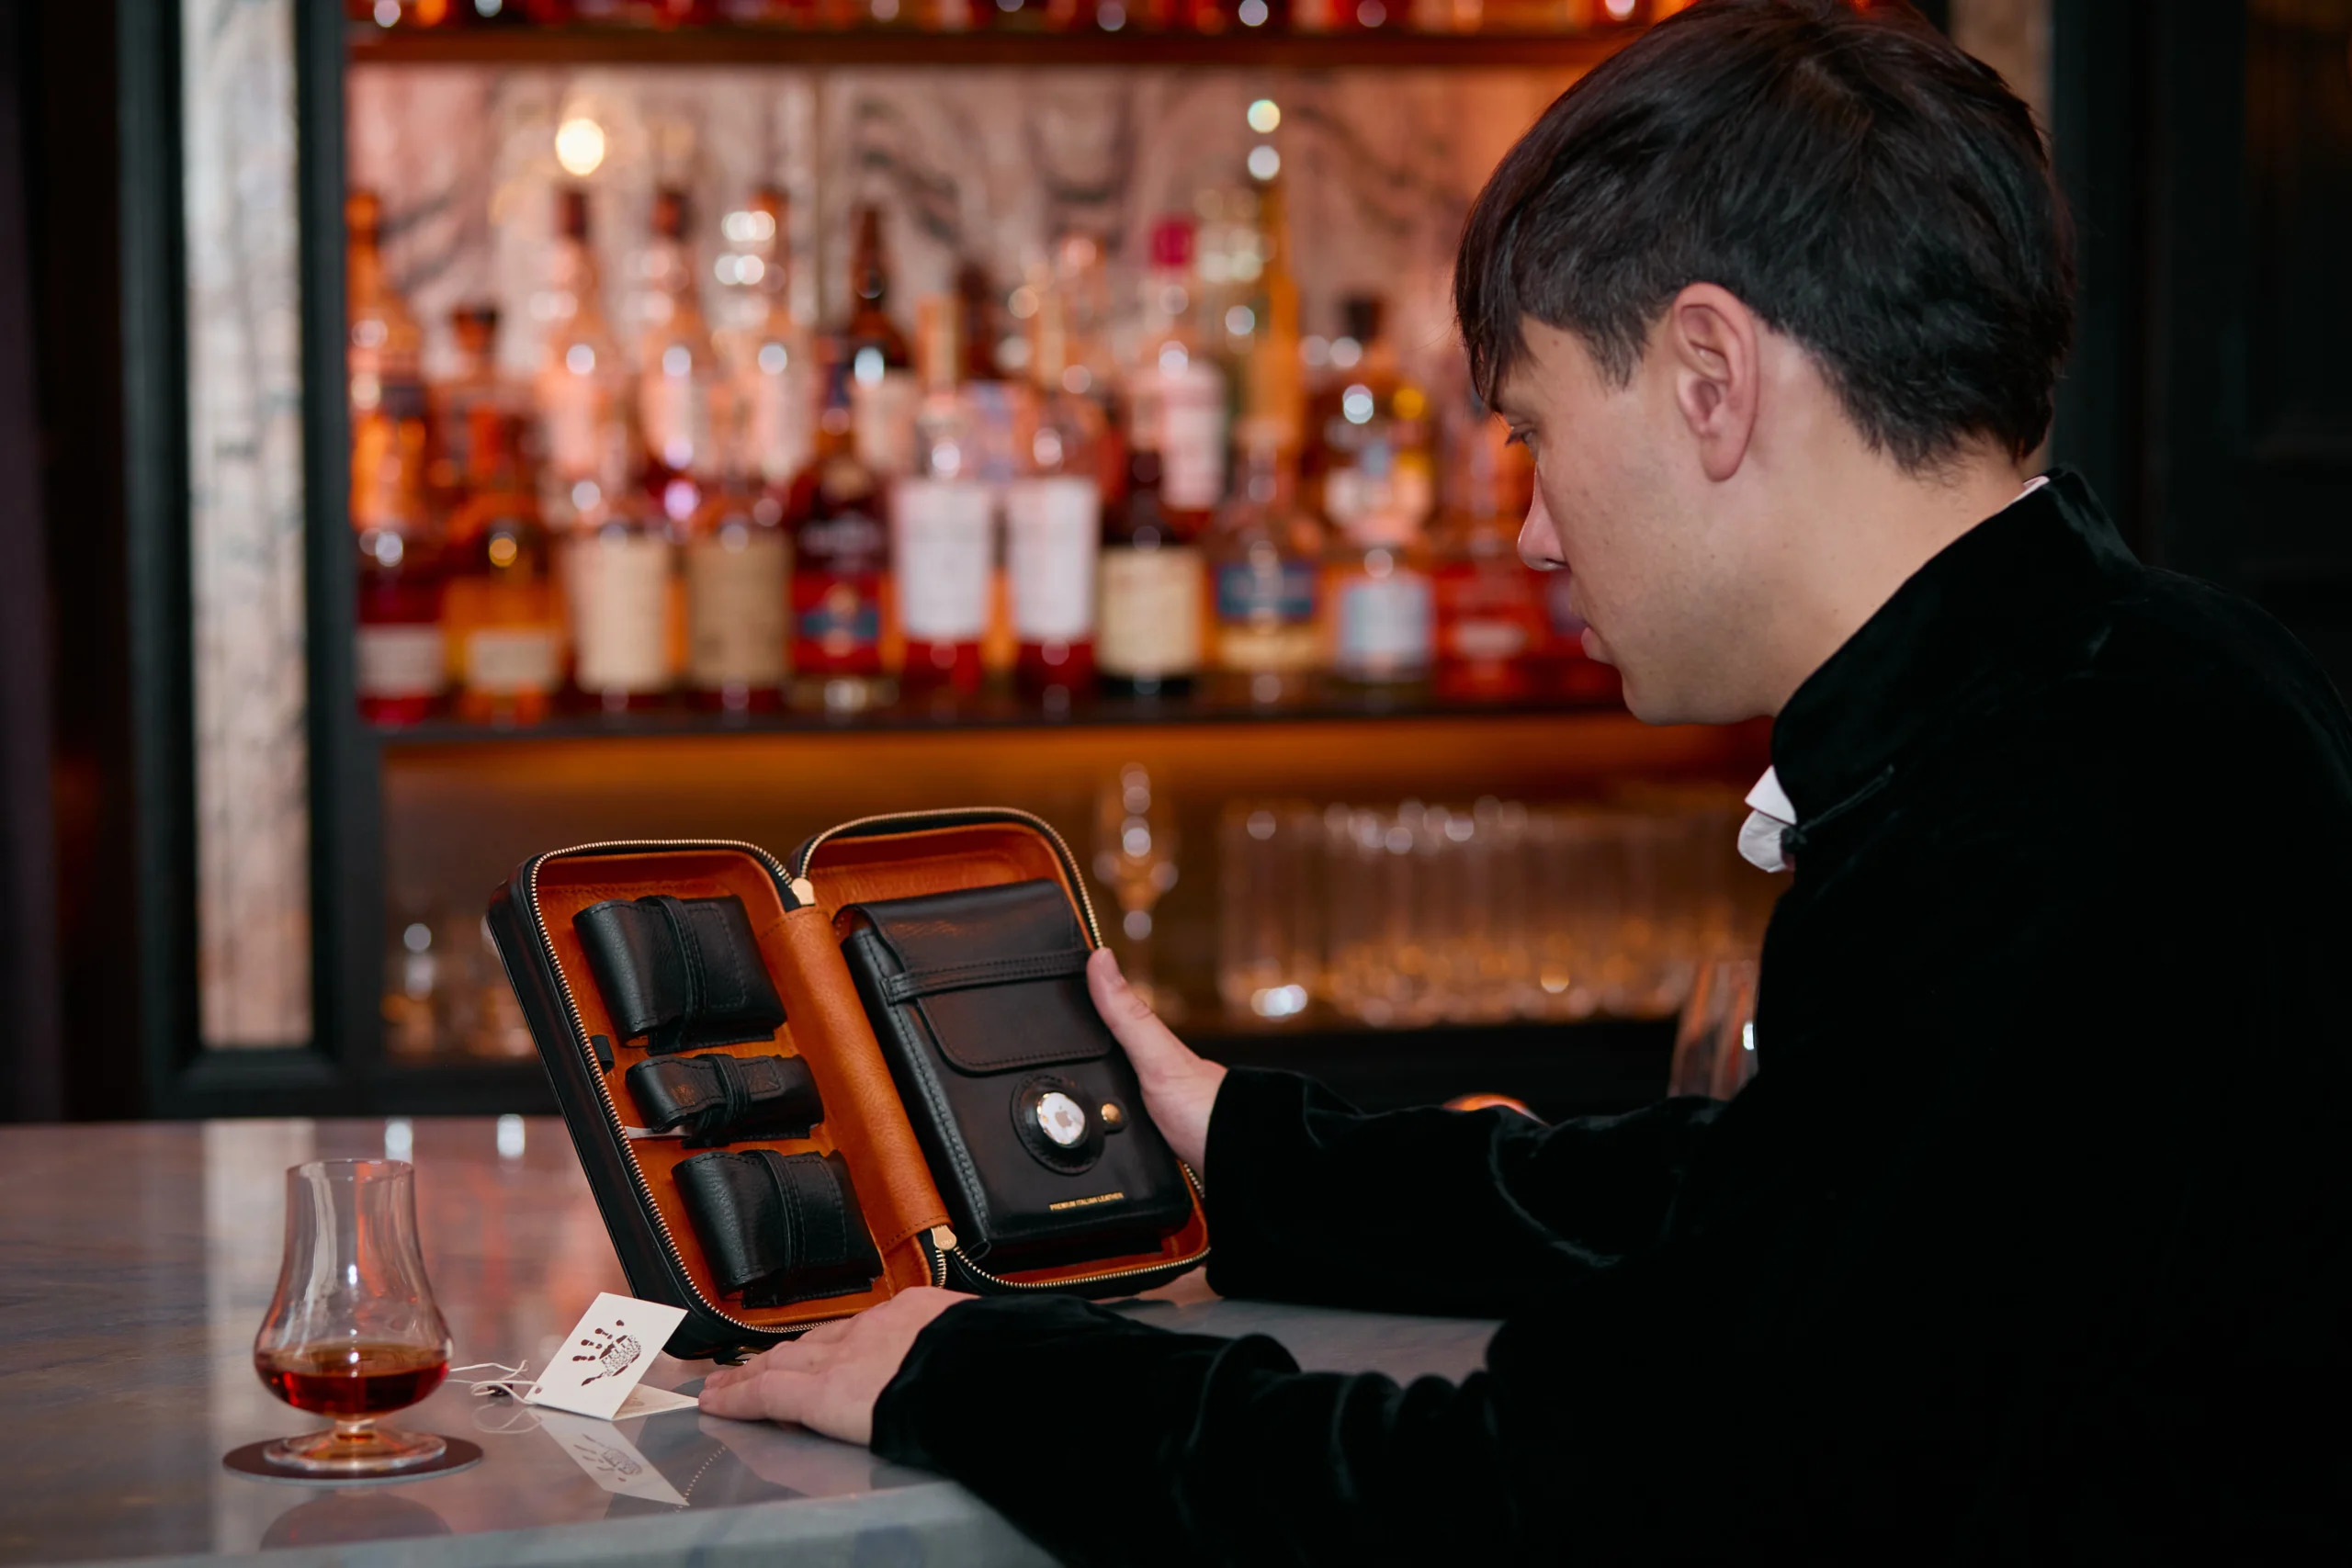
{"type": "Point", "coordinates": [777, 1227]}
{"type": "Point", "coordinates": [1026, 1108]}
{"type": "Point", "coordinates": [719, 1099]}
{"type": "Point", "coordinates": [680, 973]}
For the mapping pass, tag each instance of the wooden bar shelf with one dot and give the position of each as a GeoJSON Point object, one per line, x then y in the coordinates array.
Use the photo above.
{"type": "Point", "coordinates": [369, 45]}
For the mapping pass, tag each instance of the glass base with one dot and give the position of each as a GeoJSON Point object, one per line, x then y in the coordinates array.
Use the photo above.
{"type": "Point", "coordinates": [366, 1450]}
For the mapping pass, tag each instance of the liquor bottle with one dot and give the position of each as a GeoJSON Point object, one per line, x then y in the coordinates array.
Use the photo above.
{"type": "Point", "coordinates": [1265, 561]}
{"type": "Point", "coordinates": [451, 403]}
{"type": "Point", "coordinates": [401, 657]}
{"type": "Point", "coordinates": [1371, 458]}
{"type": "Point", "coordinates": [840, 562]}
{"type": "Point", "coordinates": [1147, 642]}
{"type": "Point", "coordinates": [883, 391]}
{"type": "Point", "coordinates": [681, 393]}
{"type": "Point", "coordinates": [1490, 613]}
{"type": "Point", "coordinates": [737, 589]}
{"type": "Point", "coordinates": [942, 520]}
{"type": "Point", "coordinates": [1273, 400]}
{"type": "Point", "coordinates": [1490, 610]}
{"type": "Point", "coordinates": [1383, 610]}
{"type": "Point", "coordinates": [504, 615]}
{"type": "Point", "coordinates": [582, 384]}
{"type": "Point", "coordinates": [1175, 393]}
{"type": "Point", "coordinates": [622, 582]}
{"type": "Point", "coordinates": [777, 386]}
{"type": "Point", "coordinates": [1052, 516]}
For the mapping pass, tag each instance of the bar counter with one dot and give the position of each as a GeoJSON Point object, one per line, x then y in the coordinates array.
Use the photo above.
{"type": "Point", "coordinates": [136, 1262]}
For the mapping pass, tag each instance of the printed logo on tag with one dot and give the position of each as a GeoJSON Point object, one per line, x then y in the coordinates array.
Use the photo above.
{"type": "Point", "coordinates": [604, 1355]}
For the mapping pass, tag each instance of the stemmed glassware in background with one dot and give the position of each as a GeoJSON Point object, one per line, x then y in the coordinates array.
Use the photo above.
{"type": "Point", "coordinates": [1135, 857]}
{"type": "Point", "coordinates": [352, 1333]}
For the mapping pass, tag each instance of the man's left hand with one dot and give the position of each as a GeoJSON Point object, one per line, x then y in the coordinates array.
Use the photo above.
{"type": "Point", "coordinates": [829, 1378]}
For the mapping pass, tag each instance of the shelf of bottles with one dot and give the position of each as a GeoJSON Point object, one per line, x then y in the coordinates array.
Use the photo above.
{"type": "Point", "coordinates": [1082, 498]}
{"type": "Point", "coordinates": [1323, 33]}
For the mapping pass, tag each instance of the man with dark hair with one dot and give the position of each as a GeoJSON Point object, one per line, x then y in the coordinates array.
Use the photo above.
{"type": "Point", "coordinates": [2029, 1238]}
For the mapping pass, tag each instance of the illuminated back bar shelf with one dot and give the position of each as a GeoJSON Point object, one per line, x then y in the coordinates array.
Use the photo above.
{"type": "Point", "coordinates": [430, 816]}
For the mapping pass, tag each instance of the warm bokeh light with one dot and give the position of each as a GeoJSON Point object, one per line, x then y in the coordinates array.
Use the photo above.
{"type": "Point", "coordinates": [580, 146]}
{"type": "Point", "coordinates": [1264, 116]}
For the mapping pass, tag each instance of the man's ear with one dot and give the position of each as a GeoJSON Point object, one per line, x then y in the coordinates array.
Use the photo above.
{"type": "Point", "coordinates": [1710, 342]}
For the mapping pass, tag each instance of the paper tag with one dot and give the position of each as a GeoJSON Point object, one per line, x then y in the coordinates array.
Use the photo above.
{"type": "Point", "coordinates": [653, 1401]}
{"type": "Point", "coordinates": [600, 1360]}
{"type": "Point", "coordinates": [611, 1460]}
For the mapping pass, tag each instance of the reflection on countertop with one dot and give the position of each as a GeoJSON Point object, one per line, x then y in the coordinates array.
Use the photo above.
{"type": "Point", "coordinates": [136, 1262]}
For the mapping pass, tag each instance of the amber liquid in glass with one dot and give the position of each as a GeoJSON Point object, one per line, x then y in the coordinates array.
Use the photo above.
{"type": "Point", "coordinates": [352, 1381]}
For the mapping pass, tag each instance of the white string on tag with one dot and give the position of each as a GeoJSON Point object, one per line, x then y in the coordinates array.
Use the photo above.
{"type": "Point", "coordinates": [509, 1381]}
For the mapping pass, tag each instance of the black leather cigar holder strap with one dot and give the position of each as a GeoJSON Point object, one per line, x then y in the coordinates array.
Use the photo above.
{"type": "Point", "coordinates": [719, 1099]}
{"type": "Point", "coordinates": [1025, 1107]}
{"type": "Point", "coordinates": [681, 973]}
{"type": "Point", "coordinates": [778, 1228]}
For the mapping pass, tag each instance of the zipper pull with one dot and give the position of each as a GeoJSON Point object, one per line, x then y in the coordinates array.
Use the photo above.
{"type": "Point", "coordinates": [943, 1238]}
{"type": "Point", "coordinates": [804, 892]}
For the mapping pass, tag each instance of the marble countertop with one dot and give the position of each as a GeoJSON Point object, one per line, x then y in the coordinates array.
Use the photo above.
{"type": "Point", "coordinates": [136, 1263]}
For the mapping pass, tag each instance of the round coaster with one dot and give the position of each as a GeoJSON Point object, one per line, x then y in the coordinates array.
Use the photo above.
{"type": "Point", "coordinates": [250, 1460]}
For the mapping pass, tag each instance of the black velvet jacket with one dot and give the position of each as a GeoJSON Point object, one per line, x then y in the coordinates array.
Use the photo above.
{"type": "Point", "coordinates": [2029, 1239]}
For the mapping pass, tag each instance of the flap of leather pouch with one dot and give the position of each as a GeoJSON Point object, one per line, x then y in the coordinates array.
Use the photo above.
{"type": "Point", "coordinates": [999, 975]}
{"type": "Point", "coordinates": [717, 1099]}
{"type": "Point", "coordinates": [779, 1228]}
{"type": "Point", "coordinates": [680, 973]}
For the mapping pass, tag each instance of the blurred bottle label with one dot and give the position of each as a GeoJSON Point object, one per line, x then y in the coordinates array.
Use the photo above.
{"type": "Point", "coordinates": [735, 609]}
{"type": "Point", "coordinates": [1265, 615]}
{"type": "Point", "coordinates": [837, 622]}
{"type": "Point", "coordinates": [622, 615]}
{"type": "Point", "coordinates": [939, 537]}
{"type": "Point", "coordinates": [401, 660]}
{"type": "Point", "coordinates": [1386, 625]}
{"type": "Point", "coordinates": [510, 662]}
{"type": "Point", "coordinates": [1051, 526]}
{"type": "Point", "coordinates": [1151, 612]}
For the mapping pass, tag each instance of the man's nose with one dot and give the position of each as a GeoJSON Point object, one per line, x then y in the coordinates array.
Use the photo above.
{"type": "Point", "coordinates": [1539, 542]}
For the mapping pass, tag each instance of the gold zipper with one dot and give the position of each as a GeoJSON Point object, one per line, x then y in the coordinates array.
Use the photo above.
{"type": "Point", "coordinates": [604, 1090]}
{"type": "Point", "coordinates": [799, 881]}
{"type": "Point", "coordinates": [808, 852]}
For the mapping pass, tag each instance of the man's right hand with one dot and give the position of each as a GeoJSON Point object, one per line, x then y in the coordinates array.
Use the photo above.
{"type": "Point", "coordinates": [1178, 1088]}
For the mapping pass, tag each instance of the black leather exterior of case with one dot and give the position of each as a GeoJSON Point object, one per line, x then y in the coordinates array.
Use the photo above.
{"type": "Point", "coordinates": [778, 1227]}
{"type": "Point", "coordinates": [680, 973]}
{"type": "Point", "coordinates": [720, 1099]}
{"type": "Point", "coordinates": [978, 1000]}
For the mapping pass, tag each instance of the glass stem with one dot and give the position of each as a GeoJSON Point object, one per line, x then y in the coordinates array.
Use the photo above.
{"type": "Point", "coordinates": [350, 1429]}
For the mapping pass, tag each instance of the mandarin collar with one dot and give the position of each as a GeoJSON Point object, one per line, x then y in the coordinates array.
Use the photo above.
{"type": "Point", "coordinates": [1951, 628]}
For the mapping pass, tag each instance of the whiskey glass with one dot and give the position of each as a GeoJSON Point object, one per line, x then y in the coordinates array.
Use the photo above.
{"type": "Point", "coordinates": [352, 1333]}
